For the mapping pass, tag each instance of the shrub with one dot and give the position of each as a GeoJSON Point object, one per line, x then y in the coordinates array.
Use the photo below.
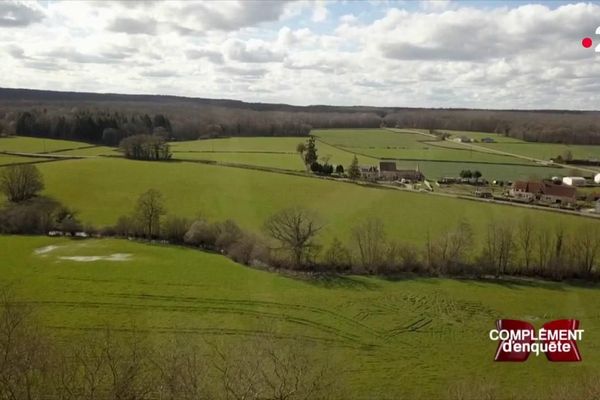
{"type": "Point", "coordinates": [36, 216]}
{"type": "Point", "coordinates": [174, 228]}
{"type": "Point", "coordinates": [20, 182]}
{"type": "Point", "coordinates": [201, 233]}
{"type": "Point", "coordinates": [337, 257]}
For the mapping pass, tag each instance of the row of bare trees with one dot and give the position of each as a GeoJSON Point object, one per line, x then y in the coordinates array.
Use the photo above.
{"type": "Point", "coordinates": [130, 365]}
{"type": "Point", "coordinates": [506, 247]}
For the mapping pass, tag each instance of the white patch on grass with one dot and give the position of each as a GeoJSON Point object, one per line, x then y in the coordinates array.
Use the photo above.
{"type": "Point", "coordinates": [46, 249]}
{"type": "Point", "coordinates": [112, 257]}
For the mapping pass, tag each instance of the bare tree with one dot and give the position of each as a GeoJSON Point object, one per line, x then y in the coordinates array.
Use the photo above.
{"type": "Point", "coordinates": [295, 229]}
{"type": "Point", "coordinates": [450, 249]}
{"type": "Point", "coordinates": [265, 369]}
{"type": "Point", "coordinates": [370, 240]}
{"type": "Point", "coordinates": [499, 246]}
{"type": "Point", "coordinates": [337, 256]}
{"type": "Point", "coordinates": [20, 182]}
{"type": "Point", "coordinates": [586, 247]}
{"type": "Point", "coordinates": [150, 209]}
{"type": "Point", "coordinates": [525, 235]}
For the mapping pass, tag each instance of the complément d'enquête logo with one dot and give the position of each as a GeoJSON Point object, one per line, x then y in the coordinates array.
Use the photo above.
{"type": "Point", "coordinates": [556, 339]}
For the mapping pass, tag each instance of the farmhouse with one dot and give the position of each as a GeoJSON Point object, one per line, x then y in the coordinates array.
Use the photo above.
{"type": "Point", "coordinates": [543, 192]}
{"type": "Point", "coordinates": [573, 180]}
{"type": "Point", "coordinates": [389, 172]}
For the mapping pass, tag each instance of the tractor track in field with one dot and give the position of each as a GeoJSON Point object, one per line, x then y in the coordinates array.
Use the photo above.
{"type": "Point", "coordinates": [221, 332]}
{"type": "Point", "coordinates": [222, 308]}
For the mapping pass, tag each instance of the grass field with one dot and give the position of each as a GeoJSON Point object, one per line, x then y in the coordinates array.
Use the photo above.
{"type": "Point", "coordinates": [100, 191]}
{"type": "Point", "coordinates": [543, 151]}
{"type": "Point", "coordinates": [9, 159]}
{"type": "Point", "coordinates": [36, 145]}
{"type": "Point", "coordinates": [429, 153]}
{"type": "Point", "coordinates": [392, 339]}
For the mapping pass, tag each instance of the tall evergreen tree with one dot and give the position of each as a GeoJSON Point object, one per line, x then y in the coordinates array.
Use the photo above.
{"type": "Point", "coordinates": [353, 169]}
{"type": "Point", "coordinates": [310, 155]}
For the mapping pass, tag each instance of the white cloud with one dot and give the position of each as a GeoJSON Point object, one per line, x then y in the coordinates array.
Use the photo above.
{"type": "Point", "coordinates": [320, 12]}
{"type": "Point", "coordinates": [435, 54]}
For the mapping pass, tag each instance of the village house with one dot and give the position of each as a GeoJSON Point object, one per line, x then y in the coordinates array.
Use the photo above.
{"type": "Point", "coordinates": [368, 172]}
{"type": "Point", "coordinates": [543, 192]}
{"type": "Point", "coordinates": [388, 171]}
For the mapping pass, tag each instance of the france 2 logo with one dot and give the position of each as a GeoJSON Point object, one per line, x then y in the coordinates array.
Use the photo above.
{"type": "Point", "coordinates": [518, 339]}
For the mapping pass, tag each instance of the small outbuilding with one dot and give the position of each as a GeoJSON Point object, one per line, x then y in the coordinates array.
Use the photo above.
{"type": "Point", "coordinates": [573, 180]}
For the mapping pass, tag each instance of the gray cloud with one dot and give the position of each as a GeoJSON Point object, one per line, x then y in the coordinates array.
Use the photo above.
{"type": "Point", "coordinates": [146, 26]}
{"type": "Point", "coordinates": [233, 16]}
{"type": "Point", "coordinates": [213, 56]}
{"type": "Point", "coordinates": [249, 73]}
{"type": "Point", "coordinates": [13, 14]}
{"type": "Point", "coordinates": [160, 73]}
{"type": "Point", "coordinates": [240, 51]}
{"type": "Point", "coordinates": [111, 56]}
{"type": "Point", "coordinates": [16, 51]}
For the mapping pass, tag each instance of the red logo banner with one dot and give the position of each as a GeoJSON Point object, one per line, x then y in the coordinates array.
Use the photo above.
{"type": "Point", "coordinates": [518, 339]}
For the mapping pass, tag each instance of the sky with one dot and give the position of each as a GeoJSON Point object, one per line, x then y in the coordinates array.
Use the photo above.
{"type": "Point", "coordinates": [475, 54]}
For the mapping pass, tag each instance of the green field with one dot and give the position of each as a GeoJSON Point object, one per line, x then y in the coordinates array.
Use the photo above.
{"type": "Point", "coordinates": [9, 159]}
{"type": "Point", "coordinates": [102, 189]}
{"type": "Point", "coordinates": [392, 339]}
{"type": "Point", "coordinates": [270, 152]}
{"type": "Point", "coordinates": [543, 151]}
{"type": "Point", "coordinates": [410, 149]}
{"type": "Point", "coordinates": [36, 145]}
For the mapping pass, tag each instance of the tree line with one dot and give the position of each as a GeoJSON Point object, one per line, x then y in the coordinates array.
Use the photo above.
{"type": "Point", "coordinates": [94, 120]}
{"type": "Point", "coordinates": [292, 238]}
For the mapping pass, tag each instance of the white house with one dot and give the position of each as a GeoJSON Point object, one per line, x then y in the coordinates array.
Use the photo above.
{"type": "Point", "coordinates": [597, 178]}
{"type": "Point", "coordinates": [574, 180]}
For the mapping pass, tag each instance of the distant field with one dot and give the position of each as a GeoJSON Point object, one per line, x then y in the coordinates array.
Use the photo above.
{"type": "Point", "coordinates": [480, 135]}
{"type": "Point", "coordinates": [92, 151]}
{"type": "Point", "coordinates": [257, 144]}
{"type": "Point", "coordinates": [439, 169]}
{"type": "Point", "coordinates": [271, 152]}
{"type": "Point", "coordinates": [269, 160]}
{"type": "Point", "coordinates": [36, 145]}
{"type": "Point", "coordinates": [102, 189]}
{"type": "Point", "coordinates": [8, 159]}
{"type": "Point", "coordinates": [435, 158]}
{"type": "Point", "coordinates": [390, 339]}
{"type": "Point", "coordinates": [543, 151]}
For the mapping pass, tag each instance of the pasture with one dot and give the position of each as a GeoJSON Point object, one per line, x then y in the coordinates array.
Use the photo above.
{"type": "Point", "coordinates": [436, 158]}
{"type": "Point", "coordinates": [390, 339]}
{"type": "Point", "coordinates": [102, 189]}
{"type": "Point", "coordinates": [6, 159]}
{"type": "Point", "coordinates": [543, 151]}
{"type": "Point", "coordinates": [36, 145]}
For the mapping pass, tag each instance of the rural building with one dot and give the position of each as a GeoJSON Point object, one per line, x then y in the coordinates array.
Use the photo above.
{"type": "Point", "coordinates": [597, 178]}
{"type": "Point", "coordinates": [573, 180]}
{"type": "Point", "coordinates": [368, 171]}
{"type": "Point", "coordinates": [543, 192]}
{"type": "Point", "coordinates": [488, 140]}
{"type": "Point", "coordinates": [389, 172]}
{"type": "Point", "coordinates": [463, 139]}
